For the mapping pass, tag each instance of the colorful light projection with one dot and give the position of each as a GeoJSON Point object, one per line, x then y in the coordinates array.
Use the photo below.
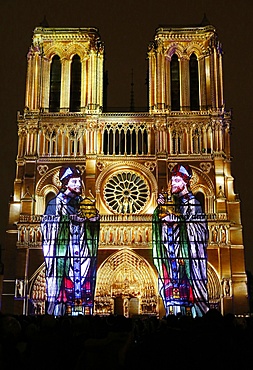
{"type": "Point", "coordinates": [70, 229]}
{"type": "Point", "coordinates": [179, 243]}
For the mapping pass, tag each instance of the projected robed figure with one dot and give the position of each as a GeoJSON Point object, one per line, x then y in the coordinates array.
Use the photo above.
{"type": "Point", "coordinates": [70, 229]}
{"type": "Point", "coordinates": [180, 237]}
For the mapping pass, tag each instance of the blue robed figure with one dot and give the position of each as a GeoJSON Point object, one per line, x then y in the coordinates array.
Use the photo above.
{"type": "Point", "coordinates": [70, 243]}
{"type": "Point", "coordinates": [180, 237]}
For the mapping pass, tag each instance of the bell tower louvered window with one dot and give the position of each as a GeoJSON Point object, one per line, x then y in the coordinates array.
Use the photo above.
{"type": "Point", "coordinates": [55, 85]}
{"type": "Point", "coordinates": [194, 83]}
{"type": "Point", "coordinates": [175, 83]}
{"type": "Point", "coordinates": [75, 85]}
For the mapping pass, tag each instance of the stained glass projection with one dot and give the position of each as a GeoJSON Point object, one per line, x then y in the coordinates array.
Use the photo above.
{"type": "Point", "coordinates": [179, 243]}
{"type": "Point", "coordinates": [70, 228]}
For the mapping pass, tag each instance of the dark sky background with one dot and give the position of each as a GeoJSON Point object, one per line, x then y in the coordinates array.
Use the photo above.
{"type": "Point", "coordinates": [126, 28]}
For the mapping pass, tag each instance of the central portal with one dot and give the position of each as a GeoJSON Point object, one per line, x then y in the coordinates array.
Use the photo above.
{"type": "Point", "coordinates": [126, 285]}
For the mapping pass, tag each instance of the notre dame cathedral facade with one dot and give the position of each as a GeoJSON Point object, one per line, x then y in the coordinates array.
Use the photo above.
{"type": "Point", "coordinates": [125, 159]}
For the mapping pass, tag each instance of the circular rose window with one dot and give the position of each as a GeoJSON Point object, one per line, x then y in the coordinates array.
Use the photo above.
{"type": "Point", "coordinates": [126, 192]}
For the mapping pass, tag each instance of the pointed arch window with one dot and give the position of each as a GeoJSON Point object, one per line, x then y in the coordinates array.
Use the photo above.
{"type": "Point", "coordinates": [201, 198]}
{"type": "Point", "coordinates": [123, 142]}
{"type": "Point", "coordinates": [128, 142]}
{"type": "Point", "coordinates": [106, 142]}
{"type": "Point", "coordinates": [110, 142]}
{"type": "Point", "coordinates": [194, 83]}
{"type": "Point", "coordinates": [49, 196]}
{"type": "Point", "coordinates": [176, 142]}
{"type": "Point", "coordinates": [175, 83]}
{"type": "Point", "coordinates": [117, 139]}
{"type": "Point", "coordinates": [145, 142]}
{"type": "Point", "coordinates": [134, 142]}
{"type": "Point", "coordinates": [196, 141]}
{"type": "Point", "coordinates": [55, 85]}
{"type": "Point", "coordinates": [75, 84]}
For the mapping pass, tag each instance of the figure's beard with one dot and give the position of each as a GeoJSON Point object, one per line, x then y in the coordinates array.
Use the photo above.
{"type": "Point", "coordinates": [176, 190]}
{"type": "Point", "coordinates": [74, 192]}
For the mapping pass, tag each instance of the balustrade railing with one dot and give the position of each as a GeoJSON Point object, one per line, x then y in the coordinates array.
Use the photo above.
{"type": "Point", "coordinates": [118, 229]}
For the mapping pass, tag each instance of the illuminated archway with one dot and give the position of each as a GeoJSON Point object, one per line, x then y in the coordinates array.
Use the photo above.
{"type": "Point", "coordinates": [126, 279]}
{"type": "Point", "coordinates": [214, 287]}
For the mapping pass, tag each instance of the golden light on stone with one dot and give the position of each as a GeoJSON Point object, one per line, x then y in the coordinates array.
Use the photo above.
{"type": "Point", "coordinates": [125, 159]}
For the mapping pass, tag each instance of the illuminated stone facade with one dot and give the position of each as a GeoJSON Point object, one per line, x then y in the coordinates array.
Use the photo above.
{"type": "Point", "coordinates": [125, 159]}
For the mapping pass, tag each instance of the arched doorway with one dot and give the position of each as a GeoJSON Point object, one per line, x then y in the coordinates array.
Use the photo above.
{"type": "Point", "coordinates": [214, 288]}
{"type": "Point", "coordinates": [126, 284]}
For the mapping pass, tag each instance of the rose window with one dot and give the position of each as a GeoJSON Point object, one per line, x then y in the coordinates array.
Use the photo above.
{"type": "Point", "coordinates": [126, 192]}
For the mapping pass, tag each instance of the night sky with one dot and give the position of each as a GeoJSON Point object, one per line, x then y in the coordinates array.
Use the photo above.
{"type": "Point", "coordinates": [126, 27]}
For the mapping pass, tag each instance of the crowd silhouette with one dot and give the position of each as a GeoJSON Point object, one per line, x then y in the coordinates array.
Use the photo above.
{"type": "Point", "coordinates": [118, 343]}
